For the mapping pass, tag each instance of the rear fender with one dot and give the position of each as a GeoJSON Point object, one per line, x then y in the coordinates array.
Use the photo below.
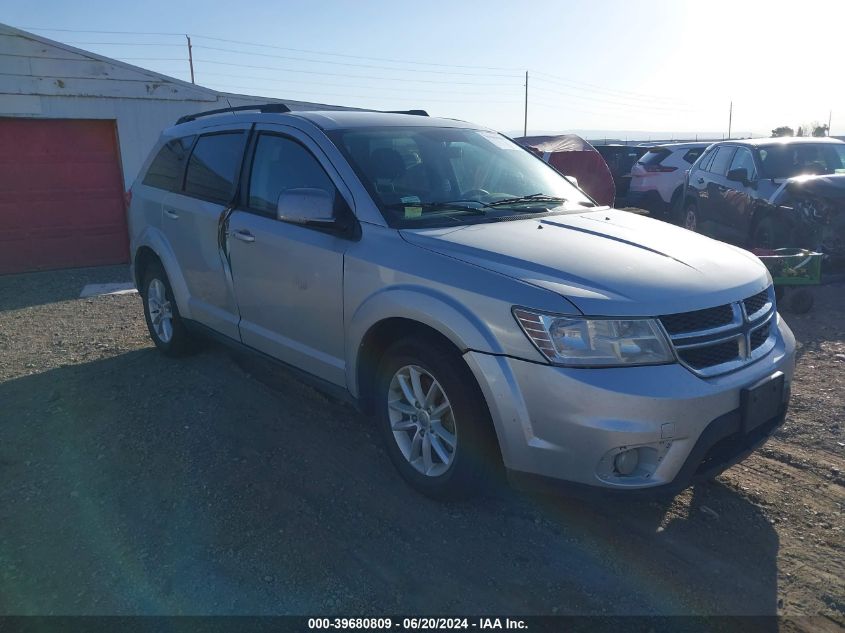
{"type": "Point", "coordinates": [156, 241]}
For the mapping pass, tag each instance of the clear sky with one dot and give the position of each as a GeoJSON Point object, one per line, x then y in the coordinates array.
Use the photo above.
{"type": "Point", "coordinates": [657, 66]}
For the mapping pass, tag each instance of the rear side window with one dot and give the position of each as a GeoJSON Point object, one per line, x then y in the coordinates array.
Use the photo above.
{"type": "Point", "coordinates": [166, 170]}
{"type": "Point", "coordinates": [721, 160]}
{"type": "Point", "coordinates": [213, 167]}
{"type": "Point", "coordinates": [654, 156]}
{"type": "Point", "coordinates": [280, 164]}
{"type": "Point", "coordinates": [691, 155]}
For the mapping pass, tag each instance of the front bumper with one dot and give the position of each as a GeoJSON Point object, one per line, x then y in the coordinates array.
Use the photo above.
{"type": "Point", "coordinates": [566, 424]}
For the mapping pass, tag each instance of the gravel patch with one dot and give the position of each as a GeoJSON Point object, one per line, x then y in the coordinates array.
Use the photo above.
{"type": "Point", "coordinates": [138, 484]}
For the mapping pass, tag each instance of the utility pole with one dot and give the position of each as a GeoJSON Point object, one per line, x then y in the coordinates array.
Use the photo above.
{"type": "Point", "coordinates": [829, 119]}
{"type": "Point", "coordinates": [730, 119]}
{"type": "Point", "coordinates": [525, 124]}
{"type": "Point", "coordinates": [190, 59]}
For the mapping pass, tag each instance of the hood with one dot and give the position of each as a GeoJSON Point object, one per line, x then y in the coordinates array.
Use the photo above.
{"type": "Point", "coordinates": [829, 186]}
{"type": "Point", "coordinates": [606, 262]}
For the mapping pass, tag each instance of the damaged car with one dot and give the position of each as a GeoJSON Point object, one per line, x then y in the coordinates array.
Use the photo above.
{"type": "Point", "coordinates": [771, 193]}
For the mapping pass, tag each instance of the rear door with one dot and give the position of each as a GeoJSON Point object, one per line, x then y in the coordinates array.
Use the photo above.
{"type": "Point", "coordinates": [288, 278]}
{"type": "Point", "coordinates": [191, 221]}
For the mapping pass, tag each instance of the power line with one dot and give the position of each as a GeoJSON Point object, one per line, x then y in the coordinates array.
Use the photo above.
{"type": "Point", "coordinates": [271, 46]}
{"type": "Point", "coordinates": [333, 63]}
{"type": "Point", "coordinates": [595, 88]}
{"type": "Point", "coordinates": [621, 98]}
{"type": "Point", "coordinates": [123, 43]}
{"type": "Point", "coordinates": [346, 55]}
{"type": "Point", "coordinates": [315, 72]}
{"type": "Point", "coordinates": [336, 85]}
{"type": "Point", "coordinates": [371, 97]}
{"type": "Point", "coordinates": [627, 104]}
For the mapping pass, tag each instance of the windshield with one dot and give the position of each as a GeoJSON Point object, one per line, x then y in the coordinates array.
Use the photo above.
{"type": "Point", "coordinates": [428, 176]}
{"type": "Point", "coordinates": [786, 161]}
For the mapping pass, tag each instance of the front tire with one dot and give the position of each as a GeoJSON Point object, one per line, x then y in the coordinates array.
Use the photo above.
{"type": "Point", "coordinates": [161, 313]}
{"type": "Point", "coordinates": [433, 419]}
{"type": "Point", "coordinates": [765, 234]}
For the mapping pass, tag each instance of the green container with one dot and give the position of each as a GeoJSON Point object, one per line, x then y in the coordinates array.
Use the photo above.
{"type": "Point", "coordinates": [794, 266]}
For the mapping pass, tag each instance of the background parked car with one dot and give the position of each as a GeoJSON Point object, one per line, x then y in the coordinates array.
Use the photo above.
{"type": "Point", "coordinates": [769, 193]}
{"type": "Point", "coordinates": [657, 179]}
{"type": "Point", "coordinates": [620, 159]}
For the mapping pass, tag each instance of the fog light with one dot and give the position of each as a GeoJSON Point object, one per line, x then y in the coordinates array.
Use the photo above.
{"type": "Point", "coordinates": [626, 462]}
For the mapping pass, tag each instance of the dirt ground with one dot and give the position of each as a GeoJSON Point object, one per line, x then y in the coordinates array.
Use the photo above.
{"type": "Point", "coordinates": [137, 484]}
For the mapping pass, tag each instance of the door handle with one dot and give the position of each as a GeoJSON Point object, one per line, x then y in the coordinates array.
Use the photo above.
{"type": "Point", "coordinates": [243, 236]}
{"type": "Point", "coordinates": [171, 213]}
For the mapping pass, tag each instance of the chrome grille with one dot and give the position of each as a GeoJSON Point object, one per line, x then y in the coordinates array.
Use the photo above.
{"type": "Point", "coordinates": [718, 340]}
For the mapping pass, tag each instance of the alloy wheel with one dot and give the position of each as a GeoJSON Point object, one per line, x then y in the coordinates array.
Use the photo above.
{"type": "Point", "coordinates": [161, 314]}
{"type": "Point", "coordinates": [422, 420]}
{"type": "Point", "coordinates": [690, 219]}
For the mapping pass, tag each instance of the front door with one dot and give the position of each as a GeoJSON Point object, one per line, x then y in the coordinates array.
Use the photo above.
{"type": "Point", "coordinates": [735, 204]}
{"type": "Point", "coordinates": [288, 278]}
{"type": "Point", "coordinates": [715, 183]}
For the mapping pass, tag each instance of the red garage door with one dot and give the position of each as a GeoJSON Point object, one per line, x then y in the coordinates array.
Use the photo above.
{"type": "Point", "coordinates": [61, 195]}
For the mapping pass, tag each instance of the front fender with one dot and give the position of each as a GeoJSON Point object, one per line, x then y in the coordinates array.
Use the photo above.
{"type": "Point", "coordinates": [154, 239]}
{"type": "Point", "coordinates": [428, 306]}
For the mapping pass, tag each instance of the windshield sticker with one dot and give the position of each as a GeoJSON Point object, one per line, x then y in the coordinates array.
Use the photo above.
{"type": "Point", "coordinates": [413, 212]}
{"type": "Point", "coordinates": [499, 141]}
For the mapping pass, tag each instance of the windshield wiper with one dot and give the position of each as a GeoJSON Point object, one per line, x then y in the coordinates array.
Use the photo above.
{"type": "Point", "coordinates": [457, 205]}
{"type": "Point", "coordinates": [534, 197]}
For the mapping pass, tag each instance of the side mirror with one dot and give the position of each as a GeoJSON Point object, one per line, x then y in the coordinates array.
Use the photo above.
{"type": "Point", "coordinates": [739, 175]}
{"type": "Point", "coordinates": [306, 206]}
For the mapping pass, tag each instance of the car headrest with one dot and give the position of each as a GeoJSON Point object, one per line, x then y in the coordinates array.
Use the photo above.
{"type": "Point", "coordinates": [386, 163]}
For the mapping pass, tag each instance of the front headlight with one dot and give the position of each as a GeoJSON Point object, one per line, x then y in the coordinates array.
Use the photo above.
{"type": "Point", "coordinates": [584, 342]}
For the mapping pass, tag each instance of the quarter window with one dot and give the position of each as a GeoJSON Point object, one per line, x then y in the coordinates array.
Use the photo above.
{"type": "Point", "coordinates": [704, 165]}
{"type": "Point", "coordinates": [213, 167]}
{"type": "Point", "coordinates": [280, 164]}
{"type": "Point", "coordinates": [693, 154]}
{"type": "Point", "coordinates": [168, 166]}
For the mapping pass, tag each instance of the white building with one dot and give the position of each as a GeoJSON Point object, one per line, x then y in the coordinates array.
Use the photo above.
{"type": "Point", "coordinates": [75, 128]}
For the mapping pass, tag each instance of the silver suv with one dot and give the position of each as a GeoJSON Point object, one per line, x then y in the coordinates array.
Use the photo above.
{"type": "Point", "coordinates": [481, 309]}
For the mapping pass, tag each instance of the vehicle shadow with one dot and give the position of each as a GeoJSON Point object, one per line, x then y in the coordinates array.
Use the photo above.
{"type": "Point", "coordinates": [31, 289]}
{"type": "Point", "coordinates": [139, 484]}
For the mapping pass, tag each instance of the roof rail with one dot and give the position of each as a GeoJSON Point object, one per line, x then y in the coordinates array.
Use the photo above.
{"type": "Point", "coordinates": [264, 107]}
{"type": "Point", "coordinates": [414, 112]}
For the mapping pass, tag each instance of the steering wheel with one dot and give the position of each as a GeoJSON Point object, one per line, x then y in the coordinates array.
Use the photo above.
{"type": "Point", "coordinates": [472, 193]}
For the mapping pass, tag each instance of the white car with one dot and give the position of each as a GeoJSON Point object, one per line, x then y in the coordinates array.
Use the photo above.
{"type": "Point", "coordinates": [657, 179]}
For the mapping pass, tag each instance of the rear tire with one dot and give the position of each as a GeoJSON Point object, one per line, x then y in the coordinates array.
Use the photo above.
{"type": "Point", "coordinates": [690, 216]}
{"type": "Point", "coordinates": [675, 213]}
{"type": "Point", "coordinates": [434, 421]}
{"type": "Point", "coordinates": [162, 314]}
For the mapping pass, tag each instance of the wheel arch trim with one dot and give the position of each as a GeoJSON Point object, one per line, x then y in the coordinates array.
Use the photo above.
{"type": "Point", "coordinates": [425, 306]}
